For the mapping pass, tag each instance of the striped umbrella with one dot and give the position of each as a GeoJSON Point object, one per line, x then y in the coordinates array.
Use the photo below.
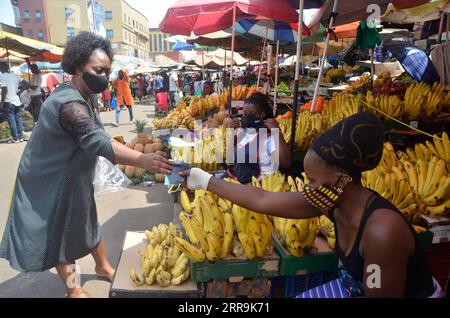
{"type": "Point", "coordinates": [271, 30]}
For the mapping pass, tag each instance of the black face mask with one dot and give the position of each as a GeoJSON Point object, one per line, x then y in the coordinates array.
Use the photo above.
{"type": "Point", "coordinates": [121, 77]}
{"type": "Point", "coordinates": [251, 121]}
{"type": "Point", "coordinates": [96, 84]}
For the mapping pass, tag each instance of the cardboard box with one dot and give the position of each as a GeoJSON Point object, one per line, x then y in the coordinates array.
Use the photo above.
{"type": "Point", "coordinates": [324, 260]}
{"type": "Point", "coordinates": [123, 287]}
{"type": "Point", "coordinates": [235, 269]}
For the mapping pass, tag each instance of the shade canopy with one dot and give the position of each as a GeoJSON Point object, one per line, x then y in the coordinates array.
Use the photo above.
{"type": "Point", "coordinates": [207, 16]}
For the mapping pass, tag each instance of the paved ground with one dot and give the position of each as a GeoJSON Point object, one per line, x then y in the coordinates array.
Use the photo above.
{"type": "Point", "coordinates": [136, 208]}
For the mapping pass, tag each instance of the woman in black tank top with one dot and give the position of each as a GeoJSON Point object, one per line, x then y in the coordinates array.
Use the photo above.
{"type": "Point", "coordinates": [376, 245]}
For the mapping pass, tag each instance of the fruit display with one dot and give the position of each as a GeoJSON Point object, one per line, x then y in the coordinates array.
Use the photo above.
{"type": "Point", "coordinates": [216, 228]}
{"type": "Point", "coordinates": [363, 84]}
{"type": "Point", "coordinates": [208, 226]}
{"type": "Point", "coordinates": [423, 101]}
{"type": "Point", "coordinates": [309, 125]}
{"type": "Point", "coordinates": [183, 116]}
{"type": "Point", "coordinates": [321, 103]}
{"type": "Point", "coordinates": [162, 261]}
{"type": "Point", "coordinates": [327, 230]}
{"type": "Point", "coordinates": [391, 105]}
{"type": "Point", "coordinates": [297, 235]}
{"type": "Point", "coordinates": [416, 181]}
{"type": "Point", "coordinates": [142, 143]}
{"type": "Point", "coordinates": [208, 153]}
{"type": "Point", "coordinates": [283, 89]}
{"type": "Point", "coordinates": [5, 132]}
{"type": "Point", "coordinates": [338, 73]}
{"type": "Point", "coordinates": [388, 87]}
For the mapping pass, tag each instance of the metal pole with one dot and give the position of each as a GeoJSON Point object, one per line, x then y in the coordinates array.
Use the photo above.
{"type": "Point", "coordinates": [297, 74]}
{"type": "Point", "coordinates": [276, 79]}
{"type": "Point", "coordinates": [232, 55]}
{"type": "Point", "coordinates": [441, 28]}
{"type": "Point", "coordinates": [447, 27]}
{"type": "Point", "coordinates": [322, 64]}
{"type": "Point", "coordinates": [262, 56]}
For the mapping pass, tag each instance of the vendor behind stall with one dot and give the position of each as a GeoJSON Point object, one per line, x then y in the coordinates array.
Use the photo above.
{"type": "Point", "coordinates": [261, 154]}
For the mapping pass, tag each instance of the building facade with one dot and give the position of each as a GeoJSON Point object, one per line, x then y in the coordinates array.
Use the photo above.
{"type": "Point", "coordinates": [32, 15]}
{"type": "Point", "coordinates": [124, 26]}
{"type": "Point", "coordinates": [158, 42]}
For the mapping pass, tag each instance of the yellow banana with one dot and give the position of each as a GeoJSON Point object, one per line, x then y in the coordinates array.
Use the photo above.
{"type": "Point", "coordinates": [211, 254]}
{"type": "Point", "coordinates": [190, 250]}
{"type": "Point", "coordinates": [163, 278]}
{"type": "Point", "coordinates": [150, 279]}
{"type": "Point", "coordinates": [227, 244]}
{"type": "Point", "coordinates": [187, 225]}
{"type": "Point", "coordinates": [185, 203]}
{"type": "Point", "coordinates": [247, 244]}
{"type": "Point", "coordinates": [181, 278]}
{"type": "Point", "coordinates": [180, 267]}
{"type": "Point", "coordinates": [138, 280]}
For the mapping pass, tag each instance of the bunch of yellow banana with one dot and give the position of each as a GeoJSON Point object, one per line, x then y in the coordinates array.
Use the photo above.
{"type": "Point", "coordinates": [310, 125]}
{"type": "Point", "coordinates": [422, 100]}
{"type": "Point", "coordinates": [208, 224]}
{"type": "Point", "coordinates": [326, 228]}
{"type": "Point", "coordinates": [208, 153]}
{"type": "Point", "coordinates": [297, 235]}
{"type": "Point", "coordinates": [162, 261]}
{"type": "Point", "coordinates": [416, 181]}
{"type": "Point", "coordinates": [389, 104]}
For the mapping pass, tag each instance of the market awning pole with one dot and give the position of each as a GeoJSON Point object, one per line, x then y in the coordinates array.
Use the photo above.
{"type": "Point", "coordinates": [276, 79]}
{"type": "Point", "coordinates": [262, 56]}
{"type": "Point", "coordinates": [441, 28]}
{"type": "Point", "coordinates": [203, 64]}
{"type": "Point", "coordinates": [233, 36]}
{"type": "Point", "coordinates": [297, 74]}
{"type": "Point", "coordinates": [225, 67]}
{"type": "Point", "coordinates": [447, 27]}
{"type": "Point", "coordinates": [324, 58]}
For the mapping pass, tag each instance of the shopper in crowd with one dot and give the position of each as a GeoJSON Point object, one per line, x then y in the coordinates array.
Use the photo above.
{"type": "Point", "coordinates": [10, 102]}
{"type": "Point", "coordinates": [53, 219]}
{"type": "Point", "coordinates": [133, 86]}
{"type": "Point", "coordinates": [106, 98]}
{"type": "Point", "coordinates": [140, 87]}
{"type": "Point", "coordinates": [124, 97]}
{"type": "Point", "coordinates": [258, 114]}
{"type": "Point", "coordinates": [187, 89]}
{"type": "Point", "coordinates": [371, 233]}
{"type": "Point", "coordinates": [35, 92]}
{"type": "Point", "coordinates": [198, 85]}
{"type": "Point", "coordinates": [166, 82]}
{"type": "Point", "coordinates": [173, 88]}
{"type": "Point", "coordinates": [159, 82]}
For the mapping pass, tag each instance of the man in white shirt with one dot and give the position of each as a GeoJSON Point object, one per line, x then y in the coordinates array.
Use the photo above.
{"type": "Point", "coordinates": [10, 102]}
{"type": "Point", "coordinates": [35, 91]}
{"type": "Point", "coordinates": [173, 88]}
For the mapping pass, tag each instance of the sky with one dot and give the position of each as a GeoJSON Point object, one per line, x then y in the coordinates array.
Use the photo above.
{"type": "Point", "coordinates": [154, 10]}
{"type": "Point", "coordinates": [7, 14]}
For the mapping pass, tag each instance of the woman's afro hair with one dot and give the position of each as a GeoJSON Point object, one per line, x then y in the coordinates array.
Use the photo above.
{"type": "Point", "coordinates": [80, 48]}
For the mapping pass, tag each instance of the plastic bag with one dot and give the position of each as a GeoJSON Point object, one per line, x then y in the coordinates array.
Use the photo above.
{"type": "Point", "coordinates": [108, 177]}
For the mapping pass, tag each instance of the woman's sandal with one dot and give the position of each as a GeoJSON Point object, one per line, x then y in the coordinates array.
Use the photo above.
{"type": "Point", "coordinates": [80, 293]}
{"type": "Point", "coordinates": [108, 278]}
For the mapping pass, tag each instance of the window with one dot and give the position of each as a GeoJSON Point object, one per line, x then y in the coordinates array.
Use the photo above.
{"type": "Point", "coordinates": [160, 43]}
{"type": "Point", "coordinates": [26, 14]}
{"type": "Point", "coordinates": [69, 14]}
{"type": "Point", "coordinates": [134, 24]}
{"type": "Point", "coordinates": [30, 34]}
{"type": "Point", "coordinates": [108, 15]}
{"type": "Point", "coordinates": [70, 32]}
{"type": "Point", "coordinates": [41, 34]}
{"type": "Point", "coordinates": [110, 33]}
{"type": "Point", "coordinates": [129, 20]}
{"type": "Point", "coordinates": [38, 14]}
{"type": "Point", "coordinates": [126, 35]}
